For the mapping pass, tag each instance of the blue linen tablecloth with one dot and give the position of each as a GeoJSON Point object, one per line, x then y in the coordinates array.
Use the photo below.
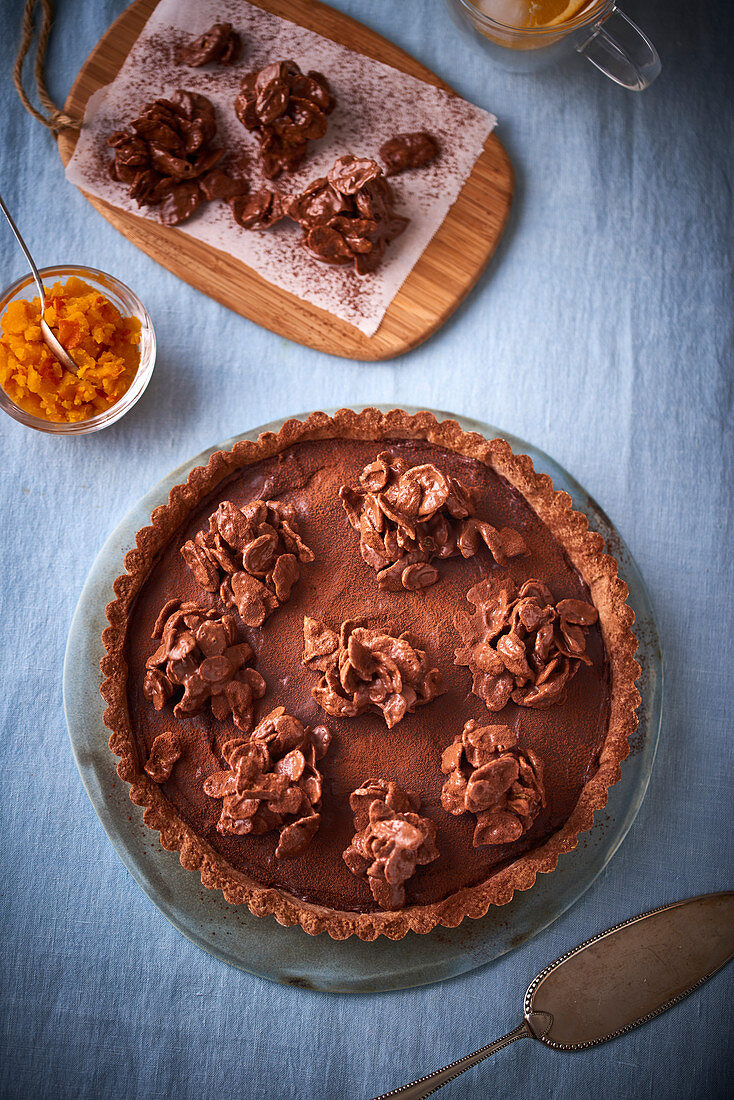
{"type": "Point", "coordinates": [602, 332]}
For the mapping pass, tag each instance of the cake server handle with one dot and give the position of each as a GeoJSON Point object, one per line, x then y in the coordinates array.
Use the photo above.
{"type": "Point", "coordinates": [426, 1086]}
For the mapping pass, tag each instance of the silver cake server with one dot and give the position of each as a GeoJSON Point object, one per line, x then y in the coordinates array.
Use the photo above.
{"type": "Point", "coordinates": [613, 982]}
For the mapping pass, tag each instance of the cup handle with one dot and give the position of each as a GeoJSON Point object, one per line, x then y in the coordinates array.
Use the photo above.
{"type": "Point", "coordinates": [619, 49]}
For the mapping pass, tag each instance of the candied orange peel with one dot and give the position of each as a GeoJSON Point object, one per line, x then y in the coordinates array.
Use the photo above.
{"type": "Point", "coordinates": [102, 342]}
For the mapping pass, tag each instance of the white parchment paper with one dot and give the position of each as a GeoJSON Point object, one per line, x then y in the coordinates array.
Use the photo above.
{"type": "Point", "coordinates": [374, 102]}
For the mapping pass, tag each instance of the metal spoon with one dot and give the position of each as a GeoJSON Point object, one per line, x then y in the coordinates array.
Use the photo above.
{"type": "Point", "coordinates": [613, 982]}
{"type": "Point", "coordinates": [49, 339]}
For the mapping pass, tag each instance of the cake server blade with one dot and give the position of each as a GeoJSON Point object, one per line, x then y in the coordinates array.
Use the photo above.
{"type": "Point", "coordinates": [613, 982]}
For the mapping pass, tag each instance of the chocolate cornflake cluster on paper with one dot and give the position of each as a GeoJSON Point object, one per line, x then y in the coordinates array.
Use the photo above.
{"type": "Point", "coordinates": [406, 151]}
{"type": "Point", "coordinates": [522, 646]}
{"type": "Point", "coordinates": [365, 669]}
{"type": "Point", "coordinates": [391, 840]}
{"type": "Point", "coordinates": [221, 43]}
{"type": "Point", "coordinates": [347, 216]}
{"type": "Point", "coordinates": [286, 109]}
{"type": "Point", "coordinates": [199, 654]}
{"type": "Point", "coordinates": [258, 551]}
{"type": "Point", "coordinates": [164, 752]}
{"type": "Point", "coordinates": [168, 160]}
{"type": "Point", "coordinates": [488, 775]}
{"type": "Point", "coordinates": [272, 782]}
{"type": "Point", "coordinates": [260, 210]}
{"type": "Point", "coordinates": [409, 516]}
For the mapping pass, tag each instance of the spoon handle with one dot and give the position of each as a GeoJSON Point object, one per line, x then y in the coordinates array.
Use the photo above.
{"type": "Point", "coordinates": [426, 1086]}
{"type": "Point", "coordinates": [29, 258]}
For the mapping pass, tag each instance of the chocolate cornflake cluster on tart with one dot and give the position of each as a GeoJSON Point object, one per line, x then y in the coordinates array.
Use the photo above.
{"type": "Point", "coordinates": [368, 670]}
{"type": "Point", "coordinates": [222, 730]}
{"type": "Point", "coordinates": [407, 516]}
{"type": "Point", "coordinates": [524, 646]}
{"type": "Point", "coordinates": [488, 775]}
{"type": "Point", "coordinates": [272, 782]}
{"type": "Point", "coordinates": [286, 109]}
{"type": "Point", "coordinates": [391, 840]}
{"type": "Point", "coordinates": [221, 44]}
{"type": "Point", "coordinates": [257, 550]}
{"type": "Point", "coordinates": [168, 159]}
{"type": "Point", "coordinates": [202, 655]}
{"type": "Point", "coordinates": [164, 752]}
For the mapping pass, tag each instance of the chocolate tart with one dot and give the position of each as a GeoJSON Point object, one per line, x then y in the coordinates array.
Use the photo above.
{"type": "Point", "coordinates": [582, 739]}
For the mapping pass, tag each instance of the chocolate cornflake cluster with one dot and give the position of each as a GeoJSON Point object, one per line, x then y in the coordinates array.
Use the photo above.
{"type": "Point", "coordinates": [286, 109]}
{"type": "Point", "coordinates": [407, 516]}
{"type": "Point", "coordinates": [347, 216]}
{"type": "Point", "coordinates": [272, 782]}
{"type": "Point", "coordinates": [488, 775]}
{"type": "Point", "coordinates": [260, 210]}
{"type": "Point", "coordinates": [522, 646]}
{"type": "Point", "coordinates": [391, 840]}
{"type": "Point", "coordinates": [406, 151]}
{"type": "Point", "coordinates": [365, 669]}
{"type": "Point", "coordinates": [221, 43]}
{"type": "Point", "coordinates": [168, 160]}
{"type": "Point", "coordinates": [200, 655]}
{"type": "Point", "coordinates": [164, 752]}
{"type": "Point", "coordinates": [258, 551]}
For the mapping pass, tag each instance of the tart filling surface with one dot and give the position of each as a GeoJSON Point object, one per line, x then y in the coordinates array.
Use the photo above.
{"type": "Point", "coordinates": [377, 654]}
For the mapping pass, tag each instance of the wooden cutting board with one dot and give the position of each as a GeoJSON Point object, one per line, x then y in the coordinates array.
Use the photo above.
{"type": "Point", "coordinates": [442, 277]}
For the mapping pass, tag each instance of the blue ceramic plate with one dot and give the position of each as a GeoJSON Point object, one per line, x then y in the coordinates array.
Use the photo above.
{"type": "Point", "coordinates": [288, 955]}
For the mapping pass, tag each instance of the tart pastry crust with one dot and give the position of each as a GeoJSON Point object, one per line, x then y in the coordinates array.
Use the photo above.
{"type": "Point", "coordinates": [585, 550]}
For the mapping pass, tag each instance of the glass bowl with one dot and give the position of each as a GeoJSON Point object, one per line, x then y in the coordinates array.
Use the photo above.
{"type": "Point", "coordinates": [128, 304]}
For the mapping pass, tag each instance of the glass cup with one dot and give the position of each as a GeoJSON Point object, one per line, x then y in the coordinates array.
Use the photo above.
{"type": "Point", "coordinates": [600, 32]}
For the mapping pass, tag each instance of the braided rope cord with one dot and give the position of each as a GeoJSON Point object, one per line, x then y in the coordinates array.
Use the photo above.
{"type": "Point", "coordinates": [54, 119]}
